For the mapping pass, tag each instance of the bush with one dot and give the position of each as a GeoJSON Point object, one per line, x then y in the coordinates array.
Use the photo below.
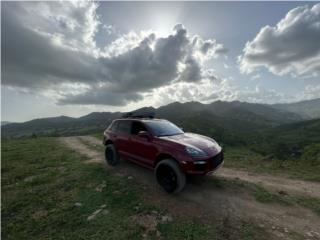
{"type": "Point", "coordinates": [311, 154]}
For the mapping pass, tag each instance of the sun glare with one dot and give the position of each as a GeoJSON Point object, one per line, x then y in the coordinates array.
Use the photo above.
{"type": "Point", "coordinates": [164, 21]}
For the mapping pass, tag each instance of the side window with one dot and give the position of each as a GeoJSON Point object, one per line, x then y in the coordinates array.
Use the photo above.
{"type": "Point", "coordinates": [124, 127]}
{"type": "Point", "coordinates": [114, 126]}
{"type": "Point", "coordinates": [137, 127]}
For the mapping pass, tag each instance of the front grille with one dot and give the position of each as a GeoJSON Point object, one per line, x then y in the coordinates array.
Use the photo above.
{"type": "Point", "coordinates": [200, 167]}
{"type": "Point", "coordinates": [217, 160]}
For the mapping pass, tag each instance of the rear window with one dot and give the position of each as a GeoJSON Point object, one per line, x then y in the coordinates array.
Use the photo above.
{"type": "Point", "coordinates": [124, 127]}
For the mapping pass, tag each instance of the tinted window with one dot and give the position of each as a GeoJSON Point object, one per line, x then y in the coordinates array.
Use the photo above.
{"type": "Point", "coordinates": [114, 126]}
{"type": "Point", "coordinates": [164, 128]}
{"type": "Point", "coordinates": [137, 127]}
{"type": "Point", "coordinates": [124, 127]}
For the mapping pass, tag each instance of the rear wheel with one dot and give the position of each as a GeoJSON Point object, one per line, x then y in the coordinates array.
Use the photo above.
{"type": "Point", "coordinates": [169, 176]}
{"type": "Point", "coordinates": [111, 155]}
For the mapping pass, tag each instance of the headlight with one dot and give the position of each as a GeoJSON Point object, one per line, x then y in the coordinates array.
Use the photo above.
{"type": "Point", "coordinates": [193, 152]}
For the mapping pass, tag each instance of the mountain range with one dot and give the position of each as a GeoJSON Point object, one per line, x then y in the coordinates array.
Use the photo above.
{"type": "Point", "coordinates": [219, 116]}
{"type": "Point", "coordinates": [285, 130]}
{"type": "Point", "coordinates": [4, 123]}
{"type": "Point", "coordinates": [308, 109]}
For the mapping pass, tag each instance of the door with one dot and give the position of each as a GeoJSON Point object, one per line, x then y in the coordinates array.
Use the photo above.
{"type": "Point", "coordinates": [123, 138]}
{"type": "Point", "coordinates": [143, 149]}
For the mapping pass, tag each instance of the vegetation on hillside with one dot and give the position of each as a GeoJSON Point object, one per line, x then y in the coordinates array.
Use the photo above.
{"type": "Point", "coordinates": [307, 109]}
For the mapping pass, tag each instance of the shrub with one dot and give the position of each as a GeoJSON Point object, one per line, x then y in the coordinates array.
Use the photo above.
{"type": "Point", "coordinates": [311, 154]}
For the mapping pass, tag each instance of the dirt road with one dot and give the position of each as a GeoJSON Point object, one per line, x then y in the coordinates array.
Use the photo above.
{"type": "Point", "coordinates": [273, 183]}
{"type": "Point", "coordinates": [205, 199]}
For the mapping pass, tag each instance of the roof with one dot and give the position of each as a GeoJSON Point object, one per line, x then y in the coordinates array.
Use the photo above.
{"type": "Point", "coordinates": [141, 119]}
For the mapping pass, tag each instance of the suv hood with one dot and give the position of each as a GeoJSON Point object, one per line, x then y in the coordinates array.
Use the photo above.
{"type": "Point", "coordinates": [201, 142]}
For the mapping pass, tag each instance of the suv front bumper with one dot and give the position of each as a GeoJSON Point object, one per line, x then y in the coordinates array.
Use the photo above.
{"type": "Point", "coordinates": [205, 166]}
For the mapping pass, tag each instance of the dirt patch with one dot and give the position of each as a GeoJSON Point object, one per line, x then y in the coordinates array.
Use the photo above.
{"type": "Point", "coordinates": [149, 222]}
{"type": "Point", "coordinates": [277, 184]}
{"type": "Point", "coordinates": [75, 144]}
{"type": "Point", "coordinates": [94, 142]}
{"type": "Point", "coordinates": [206, 201]}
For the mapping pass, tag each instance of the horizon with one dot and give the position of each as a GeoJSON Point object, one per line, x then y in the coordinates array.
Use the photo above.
{"type": "Point", "coordinates": [74, 58]}
{"type": "Point", "coordinates": [75, 117]}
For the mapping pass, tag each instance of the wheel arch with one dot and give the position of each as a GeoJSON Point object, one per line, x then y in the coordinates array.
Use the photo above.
{"type": "Point", "coordinates": [163, 156]}
{"type": "Point", "coordinates": [107, 142]}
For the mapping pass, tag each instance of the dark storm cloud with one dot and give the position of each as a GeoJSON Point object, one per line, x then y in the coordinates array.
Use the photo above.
{"type": "Point", "coordinates": [37, 57]}
{"type": "Point", "coordinates": [101, 97]}
{"type": "Point", "coordinates": [31, 60]}
{"type": "Point", "coordinates": [292, 46]}
{"type": "Point", "coordinates": [144, 68]}
{"type": "Point", "coordinates": [192, 71]}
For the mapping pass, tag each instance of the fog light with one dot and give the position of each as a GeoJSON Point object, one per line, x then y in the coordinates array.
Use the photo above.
{"type": "Point", "coordinates": [200, 162]}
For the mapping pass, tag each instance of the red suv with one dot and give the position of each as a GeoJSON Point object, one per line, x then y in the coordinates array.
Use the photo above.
{"type": "Point", "coordinates": [163, 147]}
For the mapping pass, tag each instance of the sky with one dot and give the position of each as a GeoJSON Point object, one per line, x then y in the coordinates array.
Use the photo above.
{"type": "Point", "coordinates": [73, 58]}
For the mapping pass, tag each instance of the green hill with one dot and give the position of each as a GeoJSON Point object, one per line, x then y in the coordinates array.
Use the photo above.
{"type": "Point", "coordinates": [290, 140]}
{"type": "Point", "coordinates": [219, 117]}
{"type": "Point", "coordinates": [61, 126]}
{"type": "Point", "coordinates": [308, 109]}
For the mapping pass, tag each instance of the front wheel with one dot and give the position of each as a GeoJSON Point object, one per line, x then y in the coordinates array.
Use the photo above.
{"type": "Point", "coordinates": [169, 176]}
{"type": "Point", "coordinates": [111, 155]}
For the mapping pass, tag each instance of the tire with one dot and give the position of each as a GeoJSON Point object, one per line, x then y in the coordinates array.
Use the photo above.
{"type": "Point", "coordinates": [169, 176]}
{"type": "Point", "coordinates": [111, 155]}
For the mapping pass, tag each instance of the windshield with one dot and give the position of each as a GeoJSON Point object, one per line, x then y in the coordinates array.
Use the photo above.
{"type": "Point", "coordinates": [163, 128]}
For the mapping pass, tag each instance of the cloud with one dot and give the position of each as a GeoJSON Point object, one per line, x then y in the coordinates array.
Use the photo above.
{"type": "Point", "coordinates": [309, 92]}
{"type": "Point", "coordinates": [100, 97]}
{"type": "Point", "coordinates": [204, 91]}
{"type": "Point", "coordinates": [256, 76]}
{"type": "Point", "coordinates": [207, 91]}
{"type": "Point", "coordinates": [49, 45]}
{"type": "Point", "coordinates": [38, 51]}
{"type": "Point", "coordinates": [260, 94]}
{"type": "Point", "coordinates": [291, 47]}
{"type": "Point", "coordinates": [191, 71]}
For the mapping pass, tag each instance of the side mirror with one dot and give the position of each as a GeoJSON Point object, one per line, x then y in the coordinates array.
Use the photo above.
{"type": "Point", "coordinates": [144, 134]}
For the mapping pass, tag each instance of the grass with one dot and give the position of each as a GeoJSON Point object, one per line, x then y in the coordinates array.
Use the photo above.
{"type": "Point", "coordinates": [309, 202]}
{"type": "Point", "coordinates": [243, 158]}
{"type": "Point", "coordinates": [225, 229]}
{"type": "Point", "coordinates": [44, 206]}
{"type": "Point", "coordinates": [43, 184]}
